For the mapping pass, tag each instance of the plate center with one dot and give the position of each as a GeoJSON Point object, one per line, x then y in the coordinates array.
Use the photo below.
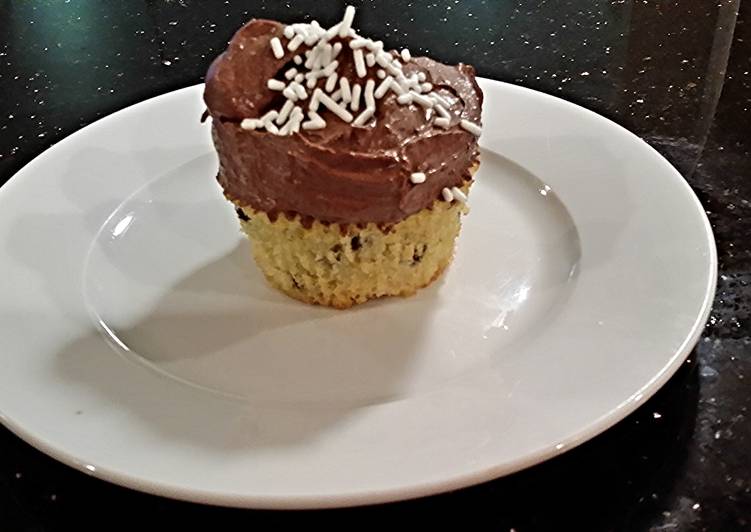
{"type": "Point", "coordinates": [172, 282]}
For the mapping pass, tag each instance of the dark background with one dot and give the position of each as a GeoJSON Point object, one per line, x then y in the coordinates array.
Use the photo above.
{"type": "Point", "coordinates": [674, 72]}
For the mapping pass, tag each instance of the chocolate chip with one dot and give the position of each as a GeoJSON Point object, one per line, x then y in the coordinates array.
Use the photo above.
{"type": "Point", "coordinates": [337, 250]}
{"type": "Point", "coordinates": [241, 214]}
{"type": "Point", "coordinates": [417, 255]}
{"type": "Point", "coordinates": [355, 243]}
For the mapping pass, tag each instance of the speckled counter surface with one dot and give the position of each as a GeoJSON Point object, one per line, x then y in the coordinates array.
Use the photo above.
{"type": "Point", "coordinates": [677, 73]}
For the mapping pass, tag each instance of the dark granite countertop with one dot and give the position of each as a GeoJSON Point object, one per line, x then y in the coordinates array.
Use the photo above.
{"type": "Point", "coordinates": [675, 72]}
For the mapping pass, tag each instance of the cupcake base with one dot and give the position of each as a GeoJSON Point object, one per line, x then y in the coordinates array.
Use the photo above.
{"type": "Point", "coordinates": [341, 266]}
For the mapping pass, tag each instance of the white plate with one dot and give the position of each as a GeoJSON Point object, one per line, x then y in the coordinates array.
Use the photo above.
{"type": "Point", "coordinates": [141, 345]}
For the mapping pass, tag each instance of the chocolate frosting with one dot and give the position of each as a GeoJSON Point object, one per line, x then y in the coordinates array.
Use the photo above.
{"type": "Point", "coordinates": [341, 173]}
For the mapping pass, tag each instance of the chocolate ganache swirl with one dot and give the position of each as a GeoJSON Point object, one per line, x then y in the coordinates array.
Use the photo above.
{"type": "Point", "coordinates": [340, 173]}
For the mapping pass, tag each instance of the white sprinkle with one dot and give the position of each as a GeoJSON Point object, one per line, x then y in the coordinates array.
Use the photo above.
{"type": "Point", "coordinates": [346, 91]}
{"type": "Point", "coordinates": [383, 59]}
{"type": "Point", "coordinates": [268, 122]}
{"type": "Point", "coordinates": [421, 76]}
{"type": "Point", "coordinates": [458, 194]}
{"type": "Point", "coordinates": [311, 83]}
{"type": "Point", "coordinates": [330, 68]}
{"type": "Point", "coordinates": [311, 38]}
{"type": "Point", "coordinates": [442, 111]}
{"type": "Point", "coordinates": [405, 99]}
{"type": "Point", "coordinates": [250, 124]}
{"type": "Point", "coordinates": [268, 117]}
{"type": "Point", "coordinates": [275, 85]}
{"type": "Point", "coordinates": [332, 31]}
{"type": "Point", "coordinates": [398, 89]}
{"type": "Point", "coordinates": [375, 46]}
{"type": "Point", "coordinates": [276, 47]}
{"type": "Point", "coordinates": [417, 178]}
{"type": "Point", "coordinates": [443, 122]}
{"type": "Point", "coordinates": [290, 93]}
{"type": "Point", "coordinates": [313, 57]}
{"type": "Point", "coordinates": [422, 100]}
{"type": "Point", "coordinates": [335, 50]}
{"type": "Point", "coordinates": [370, 60]}
{"type": "Point", "coordinates": [328, 51]}
{"type": "Point", "coordinates": [355, 103]}
{"type": "Point", "coordinates": [358, 43]}
{"type": "Point", "coordinates": [284, 112]}
{"type": "Point", "coordinates": [314, 100]}
{"type": "Point", "coordinates": [414, 82]}
{"type": "Point", "coordinates": [334, 107]}
{"type": "Point", "coordinates": [388, 63]}
{"type": "Point", "coordinates": [337, 96]}
{"type": "Point", "coordinates": [313, 125]}
{"type": "Point", "coordinates": [447, 195]}
{"type": "Point", "coordinates": [297, 59]}
{"type": "Point", "coordinates": [291, 73]}
{"type": "Point", "coordinates": [295, 119]}
{"type": "Point", "coordinates": [315, 122]}
{"type": "Point", "coordinates": [471, 127]}
{"type": "Point", "coordinates": [319, 58]}
{"type": "Point", "coordinates": [359, 63]}
{"type": "Point", "coordinates": [286, 129]}
{"type": "Point", "coordinates": [391, 69]}
{"type": "Point", "coordinates": [440, 99]}
{"type": "Point", "coordinates": [396, 63]}
{"type": "Point", "coordinates": [299, 78]}
{"type": "Point", "coordinates": [289, 32]}
{"type": "Point", "coordinates": [369, 99]}
{"type": "Point", "coordinates": [294, 124]}
{"type": "Point", "coordinates": [426, 87]}
{"type": "Point", "coordinates": [308, 33]}
{"type": "Point", "coordinates": [295, 43]}
{"type": "Point", "coordinates": [299, 90]}
{"type": "Point", "coordinates": [331, 82]}
{"type": "Point", "coordinates": [394, 68]}
{"type": "Point", "coordinates": [381, 73]}
{"type": "Point", "coordinates": [380, 92]}
{"type": "Point", "coordinates": [313, 74]}
{"type": "Point", "coordinates": [346, 24]}
{"type": "Point", "coordinates": [364, 116]}
{"type": "Point", "coordinates": [406, 56]}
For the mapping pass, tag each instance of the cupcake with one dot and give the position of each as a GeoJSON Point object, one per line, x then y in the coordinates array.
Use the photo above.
{"type": "Point", "coordinates": [348, 165]}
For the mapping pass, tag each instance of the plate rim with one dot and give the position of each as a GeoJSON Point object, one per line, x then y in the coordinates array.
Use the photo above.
{"type": "Point", "coordinates": [425, 487]}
